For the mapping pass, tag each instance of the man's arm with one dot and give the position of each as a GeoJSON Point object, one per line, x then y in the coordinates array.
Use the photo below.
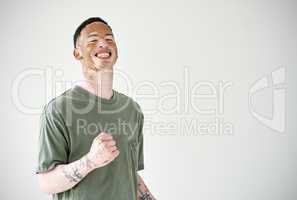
{"type": "Point", "coordinates": [142, 192]}
{"type": "Point", "coordinates": [63, 177]}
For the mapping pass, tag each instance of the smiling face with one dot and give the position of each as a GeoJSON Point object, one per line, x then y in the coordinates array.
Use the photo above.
{"type": "Point", "coordinates": [96, 48]}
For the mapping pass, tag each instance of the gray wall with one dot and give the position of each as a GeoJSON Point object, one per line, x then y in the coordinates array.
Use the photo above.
{"type": "Point", "coordinates": [236, 140]}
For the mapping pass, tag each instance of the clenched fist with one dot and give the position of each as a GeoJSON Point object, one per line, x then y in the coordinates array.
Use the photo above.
{"type": "Point", "coordinates": [103, 150]}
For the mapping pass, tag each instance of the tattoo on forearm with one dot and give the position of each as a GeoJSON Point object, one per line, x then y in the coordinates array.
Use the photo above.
{"type": "Point", "coordinates": [87, 163]}
{"type": "Point", "coordinates": [76, 174]}
{"type": "Point", "coordinates": [146, 196]}
{"type": "Point", "coordinates": [143, 192]}
{"type": "Point", "coordinates": [73, 174]}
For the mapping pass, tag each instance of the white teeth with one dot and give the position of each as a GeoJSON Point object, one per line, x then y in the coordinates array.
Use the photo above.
{"type": "Point", "coordinates": [103, 55]}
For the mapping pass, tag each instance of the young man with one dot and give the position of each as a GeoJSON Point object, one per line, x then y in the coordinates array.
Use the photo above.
{"type": "Point", "coordinates": [91, 142]}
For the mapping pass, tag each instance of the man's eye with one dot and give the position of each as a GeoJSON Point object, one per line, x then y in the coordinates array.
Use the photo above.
{"type": "Point", "coordinates": [109, 39]}
{"type": "Point", "coordinates": [92, 41]}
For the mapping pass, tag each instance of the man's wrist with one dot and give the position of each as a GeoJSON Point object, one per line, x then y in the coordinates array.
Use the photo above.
{"type": "Point", "coordinates": [88, 163]}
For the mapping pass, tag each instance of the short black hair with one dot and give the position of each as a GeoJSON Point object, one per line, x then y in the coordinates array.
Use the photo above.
{"type": "Point", "coordinates": [84, 24]}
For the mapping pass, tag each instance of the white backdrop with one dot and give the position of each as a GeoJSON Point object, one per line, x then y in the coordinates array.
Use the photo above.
{"type": "Point", "coordinates": [216, 81]}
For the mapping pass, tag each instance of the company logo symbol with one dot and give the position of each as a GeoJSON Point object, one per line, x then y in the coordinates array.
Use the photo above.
{"type": "Point", "coordinates": [277, 121]}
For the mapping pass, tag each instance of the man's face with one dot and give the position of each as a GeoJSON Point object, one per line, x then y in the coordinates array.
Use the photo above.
{"type": "Point", "coordinates": [96, 48]}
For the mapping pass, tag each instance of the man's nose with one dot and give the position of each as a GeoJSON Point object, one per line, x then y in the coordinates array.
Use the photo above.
{"type": "Point", "coordinates": [102, 43]}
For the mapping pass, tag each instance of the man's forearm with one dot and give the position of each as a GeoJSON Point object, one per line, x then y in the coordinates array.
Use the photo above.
{"type": "Point", "coordinates": [142, 192]}
{"type": "Point", "coordinates": [64, 177]}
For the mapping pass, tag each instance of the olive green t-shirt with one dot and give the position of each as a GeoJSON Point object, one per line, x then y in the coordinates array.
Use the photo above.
{"type": "Point", "coordinates": [68, 125]}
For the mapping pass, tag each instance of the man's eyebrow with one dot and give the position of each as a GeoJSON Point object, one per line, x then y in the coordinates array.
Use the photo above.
{"type": "Point", "coordinates": [93, 34]}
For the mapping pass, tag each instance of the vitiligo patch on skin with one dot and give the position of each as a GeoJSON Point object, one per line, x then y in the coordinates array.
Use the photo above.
{"type": "Point", "coordinates": [97, 49]}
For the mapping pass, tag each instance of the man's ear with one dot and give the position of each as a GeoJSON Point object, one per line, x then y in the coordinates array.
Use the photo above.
{"type": "Point", "coordinates": [77, 54]}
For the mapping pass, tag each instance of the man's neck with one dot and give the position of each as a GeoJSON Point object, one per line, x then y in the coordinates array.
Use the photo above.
{"type": "Point", "coordinates": [101, 85]}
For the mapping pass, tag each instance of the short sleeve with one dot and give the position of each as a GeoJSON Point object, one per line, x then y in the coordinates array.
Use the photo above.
{"type": "Point", "coordinates": [140, 146]}
{"type": "Point", "coordinates": [53, 146]}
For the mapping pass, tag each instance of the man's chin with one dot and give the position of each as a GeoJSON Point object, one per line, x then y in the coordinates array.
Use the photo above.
{"type": "Point", "coordinates": [103, 64]}
{"type": "Point", "coordinates": [103, 67]}
{"type": "Point", "coordinates": [94, 70]}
